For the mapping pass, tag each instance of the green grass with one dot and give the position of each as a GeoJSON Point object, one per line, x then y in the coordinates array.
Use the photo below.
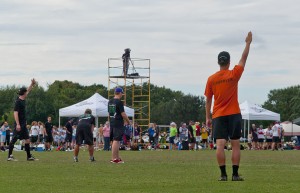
{"type": "Point", "coordinates": [149, 171]}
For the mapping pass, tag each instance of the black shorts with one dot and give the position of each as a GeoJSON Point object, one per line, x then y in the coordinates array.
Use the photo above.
{"type": "Point", "coordinates": [48, 138]}
{"type": "Point", "coordinates": [34, 139]}
{"type": "Point", "coordinates": [68, 138]}
{"type": "Point", "coordinates": [260, 140]}
{"type": "Point", "coordinates": [227, 127]}
{"type": "Point", "coordinates": [116, 134]}
{"type": "Point", "coordinates": [151, 139]}
{"type": "Point", "coordinates": [268, 140]}
{"type": "Point", "coordinates": [22, 134]}
{"type": "Point", "coordinates": [276, 140]}
{"type": "Point", "coordinates": [204, 140]}
{"type": "Point", "coordinates": [192, 140]}
{"type": "Point", "coordinates": [41, 138]}
{"type": "Point", "coordinates": [84, 133]}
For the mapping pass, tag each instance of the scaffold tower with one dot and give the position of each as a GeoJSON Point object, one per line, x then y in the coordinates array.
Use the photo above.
{"type": "Point", "coordinates": [135, 81]}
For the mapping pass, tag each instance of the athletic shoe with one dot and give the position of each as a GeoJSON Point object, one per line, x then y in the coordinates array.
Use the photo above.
{"type": "Point", "coordinates": [31, 158]}
{"type": "Point", "coordinates": [92, 159]}
{"type": "Point", "coordinates": [223, 178]}
{"type": "Point", "coordinates": [75, 159]}
{"type": "Point", "coordinates": [11, 158]}
{"type": "Point", "coordinates": [117, 161]}
{"type": "Point", "coordinates": [121, 161]}
{"type": "Point", "coordinates": [237, 178]}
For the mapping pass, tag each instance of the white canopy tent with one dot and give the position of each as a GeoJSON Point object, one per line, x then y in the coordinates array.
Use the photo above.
{"type": "Point", "coordinates": [252, 111]}
{"type": "Point", "coordinates": [97, 103]}
{"type": "Point", "coordinates": [290, 129]}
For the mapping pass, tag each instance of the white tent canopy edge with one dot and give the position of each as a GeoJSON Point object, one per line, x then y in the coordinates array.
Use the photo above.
{"type": "Point", "coordinates": [97, 103]}
{"type": "Point", "coordinates": [252, 111]}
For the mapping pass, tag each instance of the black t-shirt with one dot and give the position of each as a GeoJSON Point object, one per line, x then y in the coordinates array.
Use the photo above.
{"type": "Point", "coordinates": [191, 130]}
{"type": "Point", "coordinates": [115, 108]}
{"type": "Point", "coordinates": [48, 127]}
{"type": "Point", "coordinates": [69, 128]}
{"type": "Point", "coordinates": [86, 121]}
{"type": "Point", "coordinates": [20, 107]}
{"type": "Point", "coordinates": [157, 131]}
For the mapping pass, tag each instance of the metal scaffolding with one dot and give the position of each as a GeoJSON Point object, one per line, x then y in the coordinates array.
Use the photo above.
{"type": "Point", "coordinates": [136, 86]}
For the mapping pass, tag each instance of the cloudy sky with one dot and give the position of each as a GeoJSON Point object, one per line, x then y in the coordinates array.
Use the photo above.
{"type": "Point", "coordinates": [73, 39]}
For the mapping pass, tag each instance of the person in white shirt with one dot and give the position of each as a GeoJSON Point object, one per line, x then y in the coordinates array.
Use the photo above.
{"type": "Point", "coordinates": [34, 133]}
{"type": "Point", "coordinates": [261, 137]}
{"type": "Point", "coordinates": [269, 136]}
{"type": "Point", "coordinates": [41, 132]}
{"type": "Point", "coordinates": [96, 137]}
{"type": "Point", "coordinates": [276, 129]}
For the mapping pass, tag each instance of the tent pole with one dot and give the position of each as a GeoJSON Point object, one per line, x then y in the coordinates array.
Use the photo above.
{"type": "Point", "coordinates": [58, 121]}
{"type": "Point", "coordinates": [244, 130]}
{"type": "Point", "coordinates": [248, 126]}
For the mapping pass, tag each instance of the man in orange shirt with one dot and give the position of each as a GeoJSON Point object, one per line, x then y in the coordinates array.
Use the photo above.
{"type": "Point", "coordinates": [226, 116]}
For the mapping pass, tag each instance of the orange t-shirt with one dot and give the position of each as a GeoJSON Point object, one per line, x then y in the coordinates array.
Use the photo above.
{"type": "Point", "coordinates": [223, 85]}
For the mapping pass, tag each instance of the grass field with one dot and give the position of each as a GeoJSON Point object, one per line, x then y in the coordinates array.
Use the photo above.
{"type": "Point", "coordinates": [149, 171]}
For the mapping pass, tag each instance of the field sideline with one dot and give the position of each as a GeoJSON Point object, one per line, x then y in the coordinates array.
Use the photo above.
{"type": "Point", "coordinates": [149, 171]}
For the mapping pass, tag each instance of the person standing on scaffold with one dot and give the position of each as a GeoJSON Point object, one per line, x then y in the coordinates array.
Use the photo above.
{"type": "Point", "coordinates": [126, 58]}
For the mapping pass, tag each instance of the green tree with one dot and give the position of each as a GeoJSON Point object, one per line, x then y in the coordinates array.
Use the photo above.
{"type": "Point", "coordinates": [285, 101]}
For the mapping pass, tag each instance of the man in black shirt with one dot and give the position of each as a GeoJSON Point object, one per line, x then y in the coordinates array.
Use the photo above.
{"type": "Point", "coordinates": [20, 131]}
{"type": "Point", "coordinates": [48, 134]}
{"type": "Point", "coordinates": [69, 133]}
{"type": "Point", "coordinates": [84, 132]}
{"type": "Point", "coordinates": [117, 116]}
{"type": "Point", "coordinates": [191, 134]}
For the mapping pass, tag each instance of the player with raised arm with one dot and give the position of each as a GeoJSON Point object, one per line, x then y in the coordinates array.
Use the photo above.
{"type": "Point", "coordinates": [21, 131]}
{"type": "Point", "coordinates": [226, 115]}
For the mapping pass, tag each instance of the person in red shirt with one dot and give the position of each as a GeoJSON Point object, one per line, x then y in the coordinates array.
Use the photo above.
{"type": "Point", "coordinates": [226, 115]}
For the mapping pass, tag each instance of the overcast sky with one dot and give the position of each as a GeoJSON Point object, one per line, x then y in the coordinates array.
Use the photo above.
{"type": "Point", "coordinates": [73, 39]}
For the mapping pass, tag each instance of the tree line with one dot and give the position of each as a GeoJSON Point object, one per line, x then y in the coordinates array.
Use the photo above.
{"type": "Point", "coordinates": [166, 105]}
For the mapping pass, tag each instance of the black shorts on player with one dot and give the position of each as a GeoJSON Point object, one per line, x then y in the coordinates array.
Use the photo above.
{"type": "Point", "coordinates": [260, 140]}
{"type": "Point", "coordinates": [276, 139]}
{"type": "Point", "coordinates": [117, 133]}
{"type": "Point", "coordinates": [227, 127]}
{"type": "Point", "coordinates": [22, 134]}
{"type": "Point", "coordinates": [48, 138]}
{"type": "Point", "coordinates": [68, 138]}
{"type": "Point", "coordinates": [84, 133]}
{"type": "Point", "coordinates": [33, 139]}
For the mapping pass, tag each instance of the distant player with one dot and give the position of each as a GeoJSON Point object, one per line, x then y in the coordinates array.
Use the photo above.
{"type": "Point", "coordinates": [69, 131]}
{"type": "Point", "coordinates": [226, 123]}
{"type": "Point", "coordinates": [20, 131]}
{"type": "Point", "coordinates": [117, 116]}
{"type": "Point", "coordinates": [48, 134]}
{"type": "Point", "coordinates": [84, 132]}
{"type": "Point", "coordinates": [276, 130]}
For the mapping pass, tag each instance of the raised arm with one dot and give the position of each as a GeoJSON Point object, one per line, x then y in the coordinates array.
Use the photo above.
{"type": "Point", "coordinates": [246, 50]}
{"type": "Point", "coordinates": [33, 82]}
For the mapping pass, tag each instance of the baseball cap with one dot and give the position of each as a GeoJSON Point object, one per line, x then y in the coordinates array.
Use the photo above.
{"type": "Point", "coordinates": [223, 58]}
{"type": "Point", "coordinates": [119, 90]}
{"type": "Point", "coordinates": [22, 90]}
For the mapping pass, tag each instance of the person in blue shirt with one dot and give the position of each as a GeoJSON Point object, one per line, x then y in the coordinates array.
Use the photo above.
{"type": "Point", "coordinates": [3, 130]}
{"type": "Point", "coordinates": [151, 132]}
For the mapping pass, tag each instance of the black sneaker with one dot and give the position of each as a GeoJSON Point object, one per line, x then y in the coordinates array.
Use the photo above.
{"type": "Point", "coordinates": [223, 178]}
{"type": "Point", "coordinates": [237, 178]}
{"type": "Point", "coordinates": [92, 159]}
{"type": "Point", "coordinates": [11, 158]}
{"type": "Point", "coordinates": [31, 158]}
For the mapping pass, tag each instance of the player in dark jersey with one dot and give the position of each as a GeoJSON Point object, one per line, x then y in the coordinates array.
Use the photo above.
{"type": "Point", "coordinates": [20, 131]}
{"type": "Point", "coordinates": [48, 134]}
{"type": "Point", "coordinates": [117, 116]}
{"type": "Point", "coordinates": [69, 134]}
{"type": "Point", "coordinates": [84, 132]}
